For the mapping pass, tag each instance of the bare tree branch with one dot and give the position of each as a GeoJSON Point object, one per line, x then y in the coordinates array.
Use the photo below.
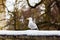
{"type": "Point", "coordinates": [35, 5]}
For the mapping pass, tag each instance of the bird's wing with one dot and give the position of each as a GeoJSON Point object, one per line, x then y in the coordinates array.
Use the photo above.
{"type": "Point", "coordinates": [32, 25]}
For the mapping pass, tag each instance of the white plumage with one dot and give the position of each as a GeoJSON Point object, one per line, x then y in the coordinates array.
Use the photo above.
{"type": "Point", "coordinates": [31, 24]}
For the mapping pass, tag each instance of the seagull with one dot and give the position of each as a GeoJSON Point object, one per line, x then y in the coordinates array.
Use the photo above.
{"type": "Point", "coordinates": [31, 24]}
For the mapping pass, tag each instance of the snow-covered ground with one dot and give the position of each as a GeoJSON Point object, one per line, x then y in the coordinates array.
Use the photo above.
{"type": "Point", "coordinates": [30, 32]}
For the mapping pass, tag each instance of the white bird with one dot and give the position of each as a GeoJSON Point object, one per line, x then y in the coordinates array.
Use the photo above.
{"type": "Point", "coordinates": [31, 24]}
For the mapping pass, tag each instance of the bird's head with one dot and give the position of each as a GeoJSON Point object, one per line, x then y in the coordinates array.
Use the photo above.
{"type": "Point", "coordinates": [30, 18]}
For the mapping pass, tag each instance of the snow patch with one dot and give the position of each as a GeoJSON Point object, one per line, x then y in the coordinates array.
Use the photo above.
{"type": "Point", "coordinates": [34, 2]}
{"type": "Point", "coordinates": [30, 32]}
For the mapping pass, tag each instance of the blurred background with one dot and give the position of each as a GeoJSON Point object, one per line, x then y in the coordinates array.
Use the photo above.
{"type": "Point", "coordinates": [45, 13]}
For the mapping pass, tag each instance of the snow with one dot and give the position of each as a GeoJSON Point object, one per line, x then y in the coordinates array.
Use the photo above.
{"type": "Point", "coordinates": [42, 12]}
{"type": "Point", "coordinates": [34, 2]}
{"type": "Point", "coordinates": [22, 19]}
{"type": "Point", "coordinates": [22, 5]}
{"type": "Point", "coordinates": [42, 8]}
{"type": "Point", "coordinates": [30, 32]}
{"type": "Point", "coordinates": [10, 5]}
